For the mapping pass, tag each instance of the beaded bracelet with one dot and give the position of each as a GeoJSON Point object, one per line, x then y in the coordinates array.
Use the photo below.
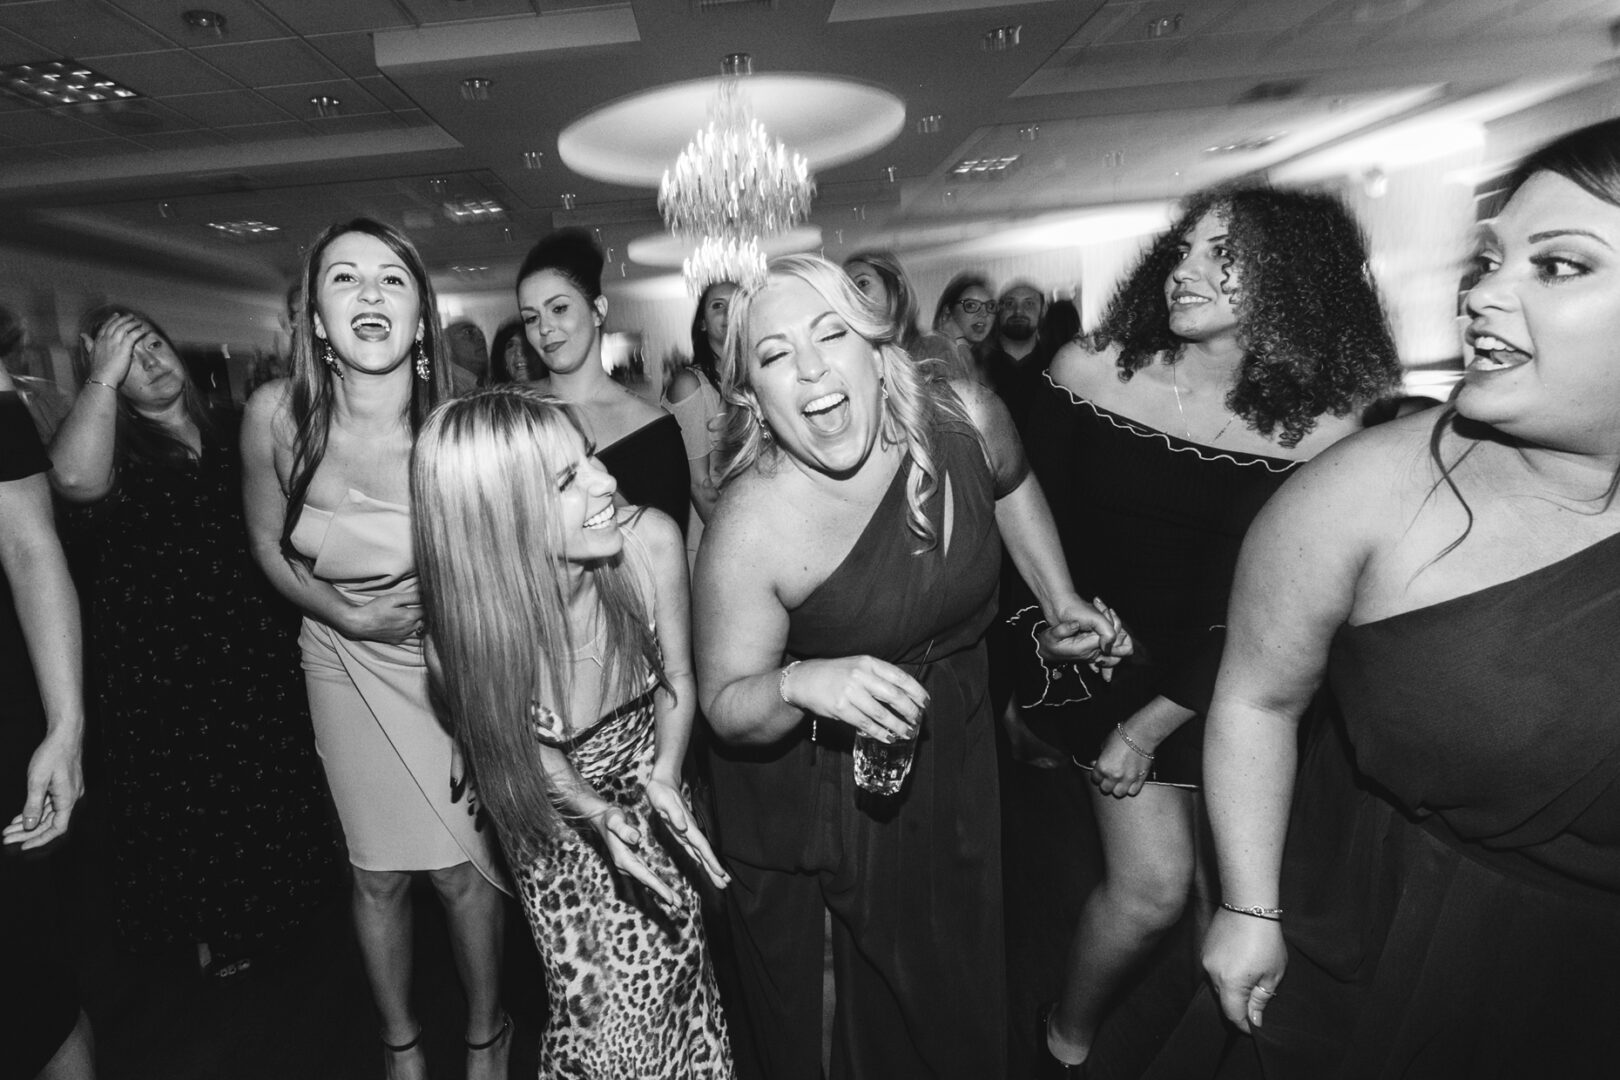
{"type": "Point", "coordinates": [1270, 914]}
{"type": "Point", "coordinates": [781, 683]}
{"type": "Point", "coordinates": [99, 382]}
{"type": "Point", "coordinates": [1131, 742]}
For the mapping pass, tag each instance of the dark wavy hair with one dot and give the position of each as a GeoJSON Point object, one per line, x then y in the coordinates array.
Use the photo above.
{"type": "Point", "coordinates": [1590, 159]}
{"type": "Point", "coordinates": [954, 289]}
{"type": "Point", "coordinates": [571, 252]}
{"type": "Point", "coordinates": [1313, 331]}
{"type": "Point", "coordinates": [310, 401]}
{"type": "Point", "coordinates": [135, 438]}
{"type": "Point", "coordinates": [901, 308]}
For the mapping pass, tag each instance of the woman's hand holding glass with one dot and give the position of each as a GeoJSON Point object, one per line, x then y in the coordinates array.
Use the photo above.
{"type": "Point", "coordinates": [873, 696]}
{"type": "Point", "coordinates": [665, 797]}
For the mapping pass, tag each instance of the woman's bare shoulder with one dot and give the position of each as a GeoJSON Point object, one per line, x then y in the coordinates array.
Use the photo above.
{"type": "Point", "coordinates": [1081, 368]}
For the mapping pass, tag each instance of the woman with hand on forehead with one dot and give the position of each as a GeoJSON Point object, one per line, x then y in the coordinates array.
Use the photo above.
{"type": "Point", "coordinates": [1445, 900]}
{"type": "Point", "coordinates": [843, 590]}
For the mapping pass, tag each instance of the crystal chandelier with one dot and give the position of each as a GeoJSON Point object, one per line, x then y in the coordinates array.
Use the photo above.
{"type": "Point", "coordinates": [732, 186]}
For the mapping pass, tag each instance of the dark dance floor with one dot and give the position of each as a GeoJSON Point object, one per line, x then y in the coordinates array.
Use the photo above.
{"type": "Point", "coordinates": [305, 1012]}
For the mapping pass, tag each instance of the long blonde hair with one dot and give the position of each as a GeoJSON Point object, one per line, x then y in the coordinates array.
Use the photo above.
{"type": "Point", "coordinates": [485, 521]}
{"type": "Point", "coordinates": [911, 397]}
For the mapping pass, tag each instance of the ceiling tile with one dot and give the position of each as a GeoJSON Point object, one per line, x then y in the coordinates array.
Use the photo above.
{"type": "Point", "coordinates": [139, 117]}
{"type": "Point", "coordinates": [434, 11]}
{"type": "Point", "coordinates": [181, 140]}
{"type": "Point", "coordinates": [34, 127]}
{"type": "Point", "coordinates": [295, 99]}
{"type": "Point", "coordinates": [354, 53]}
{"type": "Point", "coordinates": [284, 129]}
{"type": "Point", "coordinates": [227, 110]}
{"type": "Point", "coordinates": [244, 20]}
{"type": "Point", "coordinates": [383, 89]}
{"type": "Point", "coordinates": [356, 125]}
{"type": "Point", "coordinates": [269, 63]}
{"type": "Point", "coordinates": [15, 50]}
{"type": "Point", "coordinates": [79, 28]}
{"type": "Point", "coordinates": [97, 148]}
{"type": "Point", "coordinates": [160, 74]}
{"type": "Point", "coordinates": [330, 18]}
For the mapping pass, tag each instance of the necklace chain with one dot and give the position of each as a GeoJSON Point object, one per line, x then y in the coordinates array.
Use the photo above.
{"type": "Point", "coordinates": [1175, 387]}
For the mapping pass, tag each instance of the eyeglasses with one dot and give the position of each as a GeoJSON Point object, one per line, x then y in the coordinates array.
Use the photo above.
{"type": "Point", "coordinates": [973, 307]}
{"type": "Point", "coordinates": [1029, 303]}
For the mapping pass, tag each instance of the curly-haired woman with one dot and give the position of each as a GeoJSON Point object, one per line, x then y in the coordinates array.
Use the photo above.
{"type": "Point", "coordinates": [1246, 341]}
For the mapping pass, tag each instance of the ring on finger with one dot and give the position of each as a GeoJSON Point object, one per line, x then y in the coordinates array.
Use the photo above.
{"type": "Point", "coordinates": [1263, 990]}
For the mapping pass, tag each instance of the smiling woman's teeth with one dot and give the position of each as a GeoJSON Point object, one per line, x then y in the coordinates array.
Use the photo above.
{"type": "Point", "coordinates": [1491, 353]}
{"type": "Point", "coordinates": [600, 518]}
{"type": "Point", "coordinates": [371, 327]}
{"type": "Point", "coordinates": [825, 412]}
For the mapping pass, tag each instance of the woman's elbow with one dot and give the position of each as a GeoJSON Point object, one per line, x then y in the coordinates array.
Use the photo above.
{"type": "Point", "coordinates": [76, 487]}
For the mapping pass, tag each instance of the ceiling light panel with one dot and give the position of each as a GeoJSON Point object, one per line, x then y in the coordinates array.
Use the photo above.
{"type": "Point", "coordinates": [245, 229]}
{"type": "Point", "coordinates": [49, 83]}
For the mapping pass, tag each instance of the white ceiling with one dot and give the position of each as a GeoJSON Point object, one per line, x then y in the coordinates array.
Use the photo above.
{"type": "Point", "coordinates": [225, 131]}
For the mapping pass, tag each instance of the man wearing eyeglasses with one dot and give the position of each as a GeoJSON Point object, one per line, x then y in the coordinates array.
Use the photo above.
{"type": "Point", "coordinates": [1014, 358]}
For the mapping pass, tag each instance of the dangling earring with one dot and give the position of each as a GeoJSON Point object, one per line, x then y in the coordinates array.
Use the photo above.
{"type": "Point", "coordinates": [421, 361]}
{"type": "Point", "coordinates": [329, 358]}
{"type": "Point", "coordinates": [883, 386]}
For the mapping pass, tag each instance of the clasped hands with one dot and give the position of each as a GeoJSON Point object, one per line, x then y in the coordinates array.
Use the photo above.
{"type": "Point", "coordinates": [1086, 633]}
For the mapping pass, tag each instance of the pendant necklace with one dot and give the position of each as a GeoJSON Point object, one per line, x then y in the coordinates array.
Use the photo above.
{"type": "Point", "coordinates": [1175, 387]}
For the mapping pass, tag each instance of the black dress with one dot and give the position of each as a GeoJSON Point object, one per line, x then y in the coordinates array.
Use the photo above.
{"type": "Point", "coordinates": [214, 800]}
{"type": "Point", "coordinates": [1451, 884]}
{"type": "Point", "coordinates": [1151, 523]}
{"type": "Point", "coordinates": [650, 466]}
{"type": "Point", "coordinates": [913, 882]}
{"type": "Point", "coordinates": [34, 955]}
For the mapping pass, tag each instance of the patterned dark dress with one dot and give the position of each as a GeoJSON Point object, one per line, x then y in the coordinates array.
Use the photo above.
{"type": "Point", "coordinates": [913, 882]}
{"type": "Point", "coordinates": [44, 1004]}
{"type": "Point", "coordinates": [1151, 523]}
{"type": "Point", "coordinates": [214, 799]}
{"type": "Point", "coordinates": [631, 988]}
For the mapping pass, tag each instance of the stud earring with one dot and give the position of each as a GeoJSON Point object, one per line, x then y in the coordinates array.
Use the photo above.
{"type": "Point", "coordinates": [329, 358]}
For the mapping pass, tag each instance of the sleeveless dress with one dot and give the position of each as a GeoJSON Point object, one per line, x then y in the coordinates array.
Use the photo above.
{"type": "Point", "coordinates": [913, 882]}
{"type": "Point", "coordinates": [1152, 523]}
{"type": "Point", "coordinates": [650, 466]}
{"type": "Point", "coordinates": [386, 756]}
{"type": "Point", "coordinates": [218, 829]}
{"type": "Point", "coordinates": [1453, 901]}
{"type": "Point", "coordinates": [631, 989]}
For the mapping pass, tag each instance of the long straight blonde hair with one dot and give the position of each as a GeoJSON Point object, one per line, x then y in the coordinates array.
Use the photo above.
{"type": "Point", "coordinates": [488, 540]}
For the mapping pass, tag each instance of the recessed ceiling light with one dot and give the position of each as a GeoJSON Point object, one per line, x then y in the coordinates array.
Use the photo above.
{"type": "Point", "coordinates": [211, 22]}
{"type": "Point", "coordinates": [987, 168]}
{"type": "Point", "coordinates": [61, 82]}
{"type": "Point", "coordinates": [466, 211]}
{"type": "Point", "coordinates": [437, 185]}
{"type": "Point", "coordinates": [476, 89]}
{"type": "Point", "coordinates": [737, 64]}
{"type": "Point", "coordinates": [1244, 146]}
{"type": "Point", "coordinates": [1002, 38]}
{"type": "Point", "coordinates": [932, 124]}
{"type": "Point", "coordinates": [325, 105]}
{"type": "Point", "coordinates": [534, 159]}
{"type": "Point", "coordinates": [244, 230]}
{"type": "Point", "coordinates": [1029, 132]}
{"type": "Point", "coordinates": [1164, 27]}
{"type": "Point", "coordinates": [889, 173]}
{"type": "Point", "coordinates": [568, 200]}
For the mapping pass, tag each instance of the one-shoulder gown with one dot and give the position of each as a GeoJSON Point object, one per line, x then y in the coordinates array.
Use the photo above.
{"type": "Point", "coordinates": [386, 756]}
{"type": "Point", "coordinates": [913, 882]}
{"type": "Point", "coordinates": [1452, 890]}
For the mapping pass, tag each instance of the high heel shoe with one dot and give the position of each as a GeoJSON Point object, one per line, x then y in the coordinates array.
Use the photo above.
{"type": "Point", "coordinates": [1048, 1067]}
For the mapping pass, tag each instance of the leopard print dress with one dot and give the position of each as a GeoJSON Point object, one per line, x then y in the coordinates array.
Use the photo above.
{"type": "Point", "coordinates": [631, 989]}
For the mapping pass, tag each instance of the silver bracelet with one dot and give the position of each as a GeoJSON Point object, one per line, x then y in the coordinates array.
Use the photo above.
{"type": "Point", "coordinates": [1270, 914]}
{"type": "Point", "coordinates": [1130, 742]}
{"type": "Point", "coordinates": [781, 683]}
{"type": "Point", "coordinates": [99, 382]}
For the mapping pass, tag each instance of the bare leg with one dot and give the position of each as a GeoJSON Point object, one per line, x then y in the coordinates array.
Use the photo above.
{"type": "Point", "coordinates": [477, 918]}
{"type": "Point", "coordinates": [75, 1059]}
{"type": "Point", "coordinates": [382, 922]}
{"type": "Point", "coordinates": [1147, 843]}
